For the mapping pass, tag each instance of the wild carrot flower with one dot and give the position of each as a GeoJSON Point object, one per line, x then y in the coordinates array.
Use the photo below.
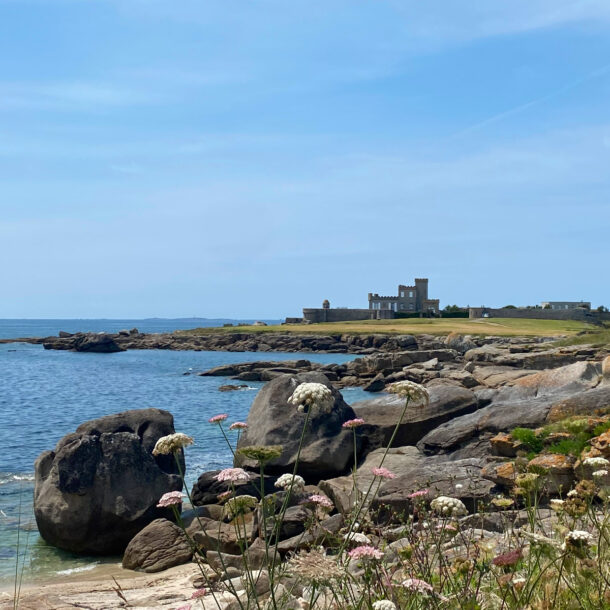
{"type": "Point", "coordinates": [239, 505]}
{"type": "Point", "coordinates": [238, 425]}
{"type": "Point", "coordinates": [320, 500]}
{"type": "Point", "coordinates": [384, 604]}
{"type": "Point", "coordinates": [315, 567]}
{"type": "Point", "coordinates": [172, 443]}
{"type": "Point", "coordinates": [316, 397]}
{"type": "Point", "coordinates": [261, 453]}
{"type": "Point", "coordinates": [171, 498]}
{"type": "Point", "coordinates": [599, 474]}
{"type": "Point", "coordinates": [418, 494]}
{"type": "Point", "coordinates": [383, 473]}
{"type": "Point", "coordinates": [417, 586]}
{"type": "Point", "coordinates": [557, 504]}
{"type": "Point", "coordinates": [286, 480]}
{"type": "Point", "coordinates": [410, 390]}
{"type": "Point", "coordinates": [353, 423]}
{"type": "Point", "coordinates": [596, 462]}
{"type": "Point", "coordinates": [448, 507]}
{"type": "Point", "coordinates": [218, 419]}
{"type": "Point", "coordinates": [365, 551]}
{"type": "Point", "coordinates": [578, 539]}
{"type": "Point", "coordinates": [232, 475]}
{"type": "Point", "coordinates": [199, 593]}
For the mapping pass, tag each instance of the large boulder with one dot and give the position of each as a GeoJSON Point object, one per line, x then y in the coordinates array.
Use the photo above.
{"type": "Point", "coordinates": [586, 374]}
{"type": "Point", "coordinates": [159, 546]}
{"type": "Point", "coordinates": [327, 448]}
{"type": "Point", "coordinates": [382, 414]}
{"type": "Point", "coordinates": [101, 484]}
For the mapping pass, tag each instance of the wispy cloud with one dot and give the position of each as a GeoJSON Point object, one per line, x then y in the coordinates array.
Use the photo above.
{"type": "Point", "coordinates": [71, 95]}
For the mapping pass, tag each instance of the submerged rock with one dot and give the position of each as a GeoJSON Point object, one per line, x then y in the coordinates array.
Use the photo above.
{"type": "Point", "coordinates": [101, 484]}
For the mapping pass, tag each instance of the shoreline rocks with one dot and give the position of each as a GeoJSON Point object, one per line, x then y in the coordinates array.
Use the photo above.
{"type": "Point", "coordinates": [101, 484]}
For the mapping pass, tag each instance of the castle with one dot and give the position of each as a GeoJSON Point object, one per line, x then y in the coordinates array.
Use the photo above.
{"type": "Point", "coordinates": [409, 300]}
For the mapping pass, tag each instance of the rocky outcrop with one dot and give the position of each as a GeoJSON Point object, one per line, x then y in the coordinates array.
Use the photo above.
{"type": "Point", "coordinates": [101, 484]}
{"type": "Point", "coordinates": [159, 546]}
{"type": "Point", "coordinates": [327, 448]}
{"type": "Point", "coordinates": [382, 414]}
{"type": "Point", "coordinates": [102, 343]}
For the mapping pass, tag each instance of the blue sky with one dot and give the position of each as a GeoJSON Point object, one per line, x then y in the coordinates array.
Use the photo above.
{"type": "Point", "coordinates": [248, 158]}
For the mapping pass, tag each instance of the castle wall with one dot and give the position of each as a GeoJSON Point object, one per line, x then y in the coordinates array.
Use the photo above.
{"type": "Point", "coordinates": [345, 315]}
{"type": "Point", "coordinates": [582, 315]}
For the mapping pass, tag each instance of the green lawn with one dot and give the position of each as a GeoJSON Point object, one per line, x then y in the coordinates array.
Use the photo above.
{"type": "Point", "coordinates": [442, 326]}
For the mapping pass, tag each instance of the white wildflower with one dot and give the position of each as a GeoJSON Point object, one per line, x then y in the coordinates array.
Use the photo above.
{"type": "Point", "coordinates": [239, 505]}
{"type": "Point", "coordinates": [316, 397]}
{"type": "Point", "coordinates": [172, 443]}
{"type": "Point", "coordinates": [286, 480]}
{"type": "Point", "coordinates": [572, 493]}
{"type": "Point", "coordinates": [410, 390]}
{"type": "Point", "coordinates": [384, 604]}
{"type": "Point", "coordinates": [596, 462]}
{"type": "Point", "coordinates": [557, 504]}
{"type": "Point", "coordinates": [448, 507]}
{"type": "Point", "coordinates": [600, 474]}
{"type": "Point", "coordinates": [358, 538]}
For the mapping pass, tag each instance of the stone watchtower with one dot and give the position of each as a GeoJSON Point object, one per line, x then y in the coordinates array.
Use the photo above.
{"type": "Point", "coordinates": [421, 293]}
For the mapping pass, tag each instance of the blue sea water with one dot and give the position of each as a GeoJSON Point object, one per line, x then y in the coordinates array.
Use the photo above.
{"type": "Point", "coordinates": [47, 394]}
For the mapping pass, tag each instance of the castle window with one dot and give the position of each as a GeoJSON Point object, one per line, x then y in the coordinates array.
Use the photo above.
{"type": "Point", "coordinates": [402, 294]}
{"type": "Point", "coordinates": [410, 293]}
{"type": "Point", "coordinates": [402, 305]}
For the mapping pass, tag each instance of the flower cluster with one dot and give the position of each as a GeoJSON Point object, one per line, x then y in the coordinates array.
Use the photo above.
{"type": "Point", "coordinates": [218, 419]}
{"type": "Point", "coordinates": [383, 473]}
{"type": "Point", "coordinates": [415, 585]}
{"type": "Point", "coordinates": [315, 567]}
{"type": "Point", "coordinates": [238, 425]}
{"type": "Point", "coordinates": [199, 593]}
{"type": "Point", "coordinates": [578, 539]}
{"type": "Point", "coordinates": [232, 475]}
{"type": "Point", "coordinates": [600, 474]}
{"type": "Point", "coordinates": [239, 505]}
{"type": "Point", "coordinates": [509, 558]}
{"type": "Point", "coordinates": [353, 423]}
{"type": "Point", "coordinates": [596, 462]}
{"type": "Point", "coordinates": [287, 480]}
{"type": "Point", "coordinates": [557, 504]}
{"type": "Point", "coordinates": [315, 397]}
{"type": "Point", "coordinates": [420, 493]}
{"type": "Point", "coordinates": [261, 453]}
{"type": "Point", "coordinates": [448, 507]}
{"type": "Point", "coordinates": [172, 443]}
{"type": "Point", "coordinates": [384, 604]}
{"type": "Point", "coordinates": [410, 390]}
{"type": "Point", "coordinates": [319, 500]}
{"type": "Point", "coordinates": [172, 498]}
{"type": "Point", "coordinates": [365, 551]}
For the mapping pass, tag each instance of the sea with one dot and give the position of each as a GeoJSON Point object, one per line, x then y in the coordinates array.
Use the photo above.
{"type": "Point", "coordinates": [46, 394]}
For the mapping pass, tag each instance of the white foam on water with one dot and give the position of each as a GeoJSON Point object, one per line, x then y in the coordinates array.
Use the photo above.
{"type": "Point", "coordinates": [89, 566]}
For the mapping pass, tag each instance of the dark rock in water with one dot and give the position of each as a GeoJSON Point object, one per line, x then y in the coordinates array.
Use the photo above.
{"type": "Point", "coordinates": [102, 343]}
{"type": "Point", "coordinates": [101, 484]}
{"type": "Point", "coordinates": [376, 384]}
{"type": "Point", "coordinates": [232, 388]}
{"type": "Point", "coordinates": [64, 335]}
{"type": "Point", "coordinates": [327, 448]}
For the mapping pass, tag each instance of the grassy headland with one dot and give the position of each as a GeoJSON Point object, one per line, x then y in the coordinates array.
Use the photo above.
{"type": "Point", "coordinates": [507, 327]}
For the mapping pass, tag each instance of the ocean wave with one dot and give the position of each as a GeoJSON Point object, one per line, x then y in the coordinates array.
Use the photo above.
{"type": "Point", "coordinates": [12, 477]}
{"type": "Point", "coordinates": [86, 568]}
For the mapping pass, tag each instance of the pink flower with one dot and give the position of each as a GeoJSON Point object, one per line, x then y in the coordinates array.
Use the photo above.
{"type": "Point", "coordinates": [218, 419]}
{"type": "Point", "coordinates": [365, 552]}
{"type": "Point", "coordinates": [320, 500]}
{"type": "Point", "coordinates": [225, 495]}
{"type": "Point", "coordinates": [199, 593]}
{"type": "Point", "coordinates": [238, 425]}
{"type": "Point", "coordinates": [353, 423]}
{"type": "Point", "coordinates": [383, 473]}
{"type": "Point", "coordinates": [418, 494]}
{"type": "Point", "coordinates": [170, 499]}
{"type": "Point", "coordinates": [233, 475]}
{"type": "Point", "coordinates": [184, 607]}
{"type": "Point", "coordinates": [417, 586]}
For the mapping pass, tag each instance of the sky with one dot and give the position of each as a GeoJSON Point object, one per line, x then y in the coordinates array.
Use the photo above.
{"type": "Point", "coordinates": [247, 158]}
